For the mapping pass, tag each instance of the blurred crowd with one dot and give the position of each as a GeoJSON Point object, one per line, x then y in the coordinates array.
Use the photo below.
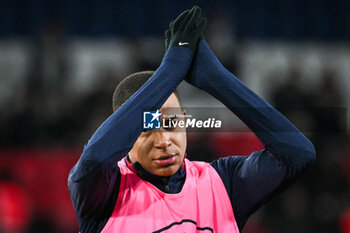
{"type": "Point", "coordinates": [48, 112]}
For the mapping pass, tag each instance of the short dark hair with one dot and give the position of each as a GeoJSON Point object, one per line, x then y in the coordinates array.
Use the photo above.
{"type": "Point", "coordinates": [131, 84]}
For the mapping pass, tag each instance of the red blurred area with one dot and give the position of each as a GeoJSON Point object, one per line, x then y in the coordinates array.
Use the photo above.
{"type": "Point", "coordinates": [345, 221]}
{"type": "Point", "coordinates": [37, 188]}
{"type": "Point", "coordinates": [15, 207]}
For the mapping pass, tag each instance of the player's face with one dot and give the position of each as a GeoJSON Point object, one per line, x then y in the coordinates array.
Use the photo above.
{"type": "Point", "coordinates": [161, 151]}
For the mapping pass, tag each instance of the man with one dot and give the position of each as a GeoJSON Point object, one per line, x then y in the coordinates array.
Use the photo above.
{"type": "Point", "coordinates": [129, 180]}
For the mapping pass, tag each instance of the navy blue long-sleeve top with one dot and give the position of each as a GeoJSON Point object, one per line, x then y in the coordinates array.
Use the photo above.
{"type": "Point", "coordinates": [250, 180]}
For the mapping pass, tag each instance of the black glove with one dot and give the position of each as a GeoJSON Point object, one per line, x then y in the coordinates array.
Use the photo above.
{"type": "Point", "coordinates": [186, 30]}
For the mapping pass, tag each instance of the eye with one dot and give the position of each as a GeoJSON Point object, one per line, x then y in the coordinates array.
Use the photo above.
{"type": "Point", "coordinates": [172, 124]}
{"type": "Point", "coordinates": [148, 131]}
{"type": "Point", "coordinates": [145, 132]}
{"type": "Point", "coordinates": [171, 128]}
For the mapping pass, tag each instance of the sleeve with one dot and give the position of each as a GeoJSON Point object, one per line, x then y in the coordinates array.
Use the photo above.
{"type": "Point", "coordinates": [94, 178]}
{"type": "Point", "coordinates": [253, 180]}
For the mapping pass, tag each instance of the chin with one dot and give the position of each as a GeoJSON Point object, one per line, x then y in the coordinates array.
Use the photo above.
{"type": "Point", "coordinates": [168, 171]}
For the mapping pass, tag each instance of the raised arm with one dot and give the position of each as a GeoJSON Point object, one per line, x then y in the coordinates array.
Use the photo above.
{"type": "Point", "coordinates": [251, 181]}
{"type": "Point", "coordinates": [94, 176]}
{"type": "Point", "coordinates": [94, 180]}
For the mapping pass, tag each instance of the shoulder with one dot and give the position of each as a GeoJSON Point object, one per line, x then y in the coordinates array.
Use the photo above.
{"type": "Point", "coordinates": [199, 165]}
{"type": "Point", "coordinates": [198, 168]}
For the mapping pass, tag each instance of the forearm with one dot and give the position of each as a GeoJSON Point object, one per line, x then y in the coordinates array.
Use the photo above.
{"type": "Point", "coordinates": [275, 131]}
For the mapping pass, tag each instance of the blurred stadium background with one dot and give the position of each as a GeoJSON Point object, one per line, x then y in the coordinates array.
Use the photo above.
{"type": "Point", "coordinates": [60, 62]}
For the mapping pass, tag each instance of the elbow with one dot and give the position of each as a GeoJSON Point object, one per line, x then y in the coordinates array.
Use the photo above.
{"type": "Point", "coordinates": [297, 150]}
{"type": "Point", "coordinates": [310, 154]}
{"type": "Point", "coordinates": [307, 152]}
{"type": "Point", "coordinates": [73, 176]}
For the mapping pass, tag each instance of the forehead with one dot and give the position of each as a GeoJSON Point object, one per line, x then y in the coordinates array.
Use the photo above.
{"type": "Point", "coordinates": [171, 102]}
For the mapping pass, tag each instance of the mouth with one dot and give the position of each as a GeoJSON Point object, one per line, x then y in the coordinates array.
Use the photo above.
{"type": "Point", "coordinates": [166, 160]}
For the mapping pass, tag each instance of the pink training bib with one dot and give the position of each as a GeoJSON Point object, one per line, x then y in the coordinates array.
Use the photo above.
{"type": "Point", "coordinates": [202, 205]}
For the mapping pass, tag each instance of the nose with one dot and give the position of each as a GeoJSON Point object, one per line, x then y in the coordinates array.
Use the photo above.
{"type": "Point", "coordinates": [162, 139]}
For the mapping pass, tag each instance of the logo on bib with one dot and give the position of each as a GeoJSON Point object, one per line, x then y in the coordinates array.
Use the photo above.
{"type": "Point", "coordinates": [186, 226]}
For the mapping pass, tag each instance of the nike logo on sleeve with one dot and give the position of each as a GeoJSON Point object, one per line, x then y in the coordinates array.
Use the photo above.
{"type": "Point", "coordinates": [183, 43]}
